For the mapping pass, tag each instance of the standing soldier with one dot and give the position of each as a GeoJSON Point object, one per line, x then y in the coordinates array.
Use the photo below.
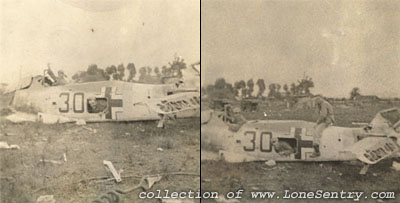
{"type": "Point", "coordinates": [325, 118]}
{"type": "Point", "coordinates": [61, 78]}
{"type": "Point", "coordinates": [237, 120]}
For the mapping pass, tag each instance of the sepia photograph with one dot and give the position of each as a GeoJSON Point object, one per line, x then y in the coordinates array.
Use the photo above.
{"type": "Point", "coordinates": [300, 101]}
{"type": "Point", "coordinates": [99, 101]}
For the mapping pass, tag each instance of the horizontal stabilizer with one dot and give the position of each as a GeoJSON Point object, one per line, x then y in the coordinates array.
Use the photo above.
{"type": "Point", "coordinates": [371, 150]}
{"type": "Point", "coordinates": [176, 103]}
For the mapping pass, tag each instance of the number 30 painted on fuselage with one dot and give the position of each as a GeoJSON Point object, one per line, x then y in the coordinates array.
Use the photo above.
{"type": "Point", "coordinates": [78, 96]}
{"type": "Point", "coordinates": [265, 141]}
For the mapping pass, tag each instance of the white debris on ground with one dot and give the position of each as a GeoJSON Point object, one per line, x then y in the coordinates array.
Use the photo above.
{"type": "Point", "coordinates": [270, 162]}
{"type": "Point", "coordinates": [52, 119]}
{"type": "Point", "coordinates": [50, 161]}
{"type": "Point", "coordinates": [114, 172]}
{"type": "Point", "coordinates": [80, 122]}
{"type": "Point", "coordinates": [396, 165]}
{"type": "Point", "coordinates": [151, 180]}
{"type": "Point", "coordinates": [46, 199]}
{"type": "Point", "coordinates": [19, 117]}
{"type": "Point", "coordinates": [4, 145]}
{"type": "Point", "coordinates": [90, 129]}
{"type": "Point", "coordinates": [364, 169]}
{"type": "Point", "coordinates": [160, 149]}
{"type": "Point", "coordinates": [65, 157]}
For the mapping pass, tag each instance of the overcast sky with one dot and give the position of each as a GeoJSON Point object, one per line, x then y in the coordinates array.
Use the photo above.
{"type": "Point", "coordinates": [340, 44]}
{"type": "Point", "coordinates": [71, 34]}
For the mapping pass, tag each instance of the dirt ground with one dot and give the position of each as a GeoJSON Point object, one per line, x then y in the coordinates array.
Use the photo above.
{"type": "Point", "coordinates": [225, 177]}
{"type": "Point", "coordinates": [130, 146]}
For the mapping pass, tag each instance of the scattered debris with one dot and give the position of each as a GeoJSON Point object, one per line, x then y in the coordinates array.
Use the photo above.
{"type": "Point", "coordinates": [206, 180]}
{"type": "Point", "coordinates": [160, 149]}
{"type": "Point", "coordinates": [364, 169]}
{"type": "Point", "coordinates": [89, 129]}
{"type": "Point", "coordinates": [152, 179]}
{"type": "Point", "coordinates": [80, 122]}
{"type": "Point", "coordinates": [19, 117]}
{"type": "Point", "coordinates": [65, 157]}
{"type": "Point", "coordinates": [9, 134]}
{"type": "Point", "coordinates": [4, 145]}
{"type": "Point", "coordinates": [270, 162]}
{"type": "Point", "coordinates": [52, 119]}
{"type": "Point", "coordinates": [396, 165]}
{"type": "Point", "coordinates": [109, 196]}
{"type": "Point", "coordinates": [46, 199]}
{"type": "Point", "coordinates": [374, 174]}
{"type": "Point", "coordinates": [114, 172]}
{"type": "Point", "coordinates": [146, 183]}
{"type": "Point", "coordinates": [50, 161]}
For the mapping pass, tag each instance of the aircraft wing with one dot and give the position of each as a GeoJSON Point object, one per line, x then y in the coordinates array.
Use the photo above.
{"type": "Point", "coordinates": [176, 103]}
{"type": "Point", "coordinates": [371, 150]}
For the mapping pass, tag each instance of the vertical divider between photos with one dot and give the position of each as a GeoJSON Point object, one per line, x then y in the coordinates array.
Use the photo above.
{"type": "Point", "coordinates": [200, 97]}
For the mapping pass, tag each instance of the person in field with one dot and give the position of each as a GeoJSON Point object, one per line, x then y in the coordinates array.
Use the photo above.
{"type": "Point", "coordinates": [237, 120]}
{"type": "Point", "coordinates": [325, 119]}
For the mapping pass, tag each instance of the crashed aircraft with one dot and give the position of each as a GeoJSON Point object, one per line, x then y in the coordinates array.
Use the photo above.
{"type": "Point", "coordinates": [258, 140]}
{"type": "Point", "coordinates": [107, 100]}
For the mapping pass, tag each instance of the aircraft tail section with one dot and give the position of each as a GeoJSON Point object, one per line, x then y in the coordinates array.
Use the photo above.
{"type": "Point", "coordinates": [176, 103]}
{"type": "Point", "coordinates": [371, 150]}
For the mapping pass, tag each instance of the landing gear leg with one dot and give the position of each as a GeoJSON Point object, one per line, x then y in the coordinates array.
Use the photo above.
{"type": "Point", "coordinates": [161, 122]}
{"type": "Point", "coordinates": [364, 169]}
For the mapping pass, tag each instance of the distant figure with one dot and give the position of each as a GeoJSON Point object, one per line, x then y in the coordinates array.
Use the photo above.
{"type": "Point", "coordinates": [325, 118]}
{"type": "Point", "coordinates": [237, 120]}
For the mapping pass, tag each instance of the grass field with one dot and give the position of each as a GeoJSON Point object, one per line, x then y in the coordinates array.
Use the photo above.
{"type": "Point", "coordinates": [328, 176]}
{"type": "Point", "coordinates": [130, 146]}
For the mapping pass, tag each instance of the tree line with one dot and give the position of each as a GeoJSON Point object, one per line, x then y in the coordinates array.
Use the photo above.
{"type": "Point", "coordinates": [222, 89]}
{"type": "Point", "coordinates": [146, 73]}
